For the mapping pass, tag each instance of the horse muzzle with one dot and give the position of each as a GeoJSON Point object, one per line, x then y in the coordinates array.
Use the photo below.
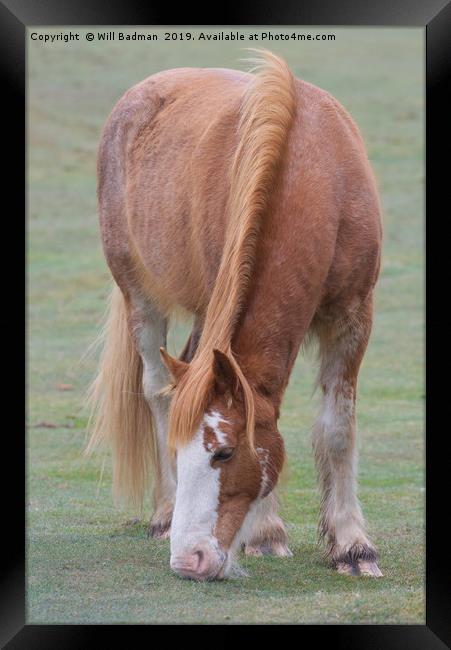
{"type": "Point", "coordinates": [200, 563]}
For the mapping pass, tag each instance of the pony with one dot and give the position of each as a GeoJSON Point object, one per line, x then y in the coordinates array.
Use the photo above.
{"type": "Point", "coordinates": [245, 199]}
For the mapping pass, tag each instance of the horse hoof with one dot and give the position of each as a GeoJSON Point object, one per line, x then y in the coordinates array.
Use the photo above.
{"type": "Point", "coordinates": [277, 549]}
{"type": "Point", "coordinates": [254, 551]}
{"type": "Point", "coordinates": [359, 568]}
{"type": "Point", "coordinates": [159, 529]}
{"type": "Point", "coordinates": [369, 569]}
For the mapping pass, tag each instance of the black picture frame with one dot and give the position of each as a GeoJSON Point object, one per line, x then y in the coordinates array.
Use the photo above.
{"type": "Point", "coordinates": [435, 17]}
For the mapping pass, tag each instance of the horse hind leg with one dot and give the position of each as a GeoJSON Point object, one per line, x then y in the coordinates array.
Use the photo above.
{"type": "Point", "coordinates": [342, 347]}
{"type": "Point", "coordinates": [149, 327]}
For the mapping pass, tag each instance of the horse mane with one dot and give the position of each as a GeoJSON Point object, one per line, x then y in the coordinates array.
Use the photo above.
{"type": "Point", "coordinates": [266, 114]}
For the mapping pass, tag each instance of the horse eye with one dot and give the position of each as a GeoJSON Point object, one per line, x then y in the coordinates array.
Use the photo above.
{"type": "Point", "coordinates": [224, 454]}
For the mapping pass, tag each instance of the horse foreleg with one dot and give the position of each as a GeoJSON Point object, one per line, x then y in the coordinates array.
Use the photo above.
{"type": "Point", "coordinates": [150, 329]}
{"type": "Point", "coordinates": [267, 534]}
{"type": "Point", "coordinates": [342, 524]}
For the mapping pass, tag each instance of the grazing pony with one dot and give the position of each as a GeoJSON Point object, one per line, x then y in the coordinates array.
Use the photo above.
{"type": "Point", "coordinates": [246, 200]}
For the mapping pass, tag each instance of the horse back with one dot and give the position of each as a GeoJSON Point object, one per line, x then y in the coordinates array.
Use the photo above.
{"type": "Point", "coordinates": [164, 179]}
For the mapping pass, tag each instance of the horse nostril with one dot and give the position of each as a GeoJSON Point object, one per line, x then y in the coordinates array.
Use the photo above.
{"type": "Point", "coordinates": [200, 555]}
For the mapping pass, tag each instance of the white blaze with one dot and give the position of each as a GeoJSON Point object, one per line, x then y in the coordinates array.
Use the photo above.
{"type": "Point", "coordinates": [197, 497]}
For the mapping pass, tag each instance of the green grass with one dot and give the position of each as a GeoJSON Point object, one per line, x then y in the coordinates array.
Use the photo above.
{"type": "Point", "coordinates": [88, 562]}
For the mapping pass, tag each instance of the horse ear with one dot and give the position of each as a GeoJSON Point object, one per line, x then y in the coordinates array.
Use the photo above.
{"type": "Point", "coordinates": [176, 367]}
{"type": "Point", "coordinates": [225, 375]}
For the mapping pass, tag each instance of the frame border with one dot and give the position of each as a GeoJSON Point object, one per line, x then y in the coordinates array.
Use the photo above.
{"type": "Point", "coordinates": [435, 16]}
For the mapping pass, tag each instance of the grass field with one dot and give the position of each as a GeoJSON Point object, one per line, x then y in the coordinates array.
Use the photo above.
{"type": "Point", "coordinates": [88, 562]}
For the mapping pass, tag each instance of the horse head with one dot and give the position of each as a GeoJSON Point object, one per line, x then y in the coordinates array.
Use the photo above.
{"type": "Point", "coordinates": [221, 474]}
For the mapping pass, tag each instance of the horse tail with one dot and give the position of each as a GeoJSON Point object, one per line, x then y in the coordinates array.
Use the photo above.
{"type": "Point", "coordinates": [266, 114]}
{"type": "Point", "coordinates": [120, 414]}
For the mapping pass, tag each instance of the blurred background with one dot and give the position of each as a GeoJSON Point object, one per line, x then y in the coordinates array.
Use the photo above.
{"type": "Point", "coordinates": [90, 562]}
